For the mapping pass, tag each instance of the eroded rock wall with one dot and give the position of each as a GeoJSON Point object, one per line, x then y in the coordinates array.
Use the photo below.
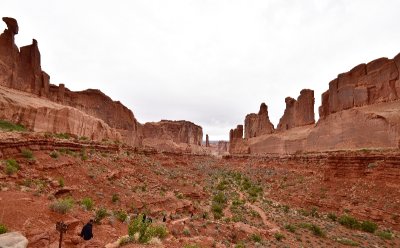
{"type": "Point", "coordinates": [298, 112]}
{"type": "Point", "coordinates": [175, 131]}
{"type": "Point", "coordinates": [258, 124]}
{"type": "Point", "coordinates": [365, 84]}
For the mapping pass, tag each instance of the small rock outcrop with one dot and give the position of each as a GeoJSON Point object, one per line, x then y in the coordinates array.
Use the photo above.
{"type": "Point", "coordinates": [207, 141]}
{"type": "Point", "coordinates": [365, 84]}
{"type": "Point", "coordinates": [298, 112]}
{"type": "Point", "coordinates": [258, 124]}
{"type": "Point", "coordinates": [236, 142]}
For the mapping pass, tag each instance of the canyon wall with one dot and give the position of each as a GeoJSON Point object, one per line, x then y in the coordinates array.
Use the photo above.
{"type": "Point", "coordinates": [88, 113]}
{"type": "Point", "coordinates": [361, 109]}
{"type": "Point", "coordinates": [258, 124]}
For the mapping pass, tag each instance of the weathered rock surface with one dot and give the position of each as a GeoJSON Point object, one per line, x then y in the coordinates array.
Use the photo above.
{"type": "Point", "coordinates": [365, 84]}
{"type": "Point", "coordinates": [258, 124]}
{"type": "Point", "coordinates": [171, 135]}
{"type": "Point", "coordinates": [42, 115]}
{"type": "Point", "coordinates": [21, 70]}
{"type": "Point", "coordinates": [236, 142]}
{"type": "Point", "coordinates": [207, 141]}
{"type": "Point", "coordinates": [13, 240]}
{"type": "Point", "coordinates": [361, 109]}
{"type": "Point", "coordinates": [298, 112]}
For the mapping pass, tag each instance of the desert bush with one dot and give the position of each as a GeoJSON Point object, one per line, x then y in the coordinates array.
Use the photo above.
{"type": "Point", "coordinates": [8, 126]}
{"type": "Point", "coordinates": [100, 214]}
{"type": "Point", "coordinates": [26, 153]}
{"type": "Point", "coordinates": [62, 206]}
{"type": "Point", "coordinates": [220, 198]}
{"type": "Point", "coordinates": [84, 155]}
{"type": "Point", "coordinates": [87, 203]}
{"type": "Point", "coordinates": [345, 241]}
{"type": "Point", "coordinates": [115, 198]}
{"type": "Point", "coordinates": [317, 231]}
{"type": "Point", "coordinates": [385, 234]}
{"type": "Point", "coordinates": [11, 167]}
{"type": "Point", "coordinates": [256, 238]}
{"type": "Point", "coordinates": [54, 154]}
{"type": "Point", "coordinates": [349, 221]}
{"type": "Point", "coordinates": [218, 210]}
{"type": "Point", "coordinates": [121, 215]}
{"type": "Point", "coordinates": [145, 230]}
{"type": "Point", "coordinates": [290, 228]}
{"type": "Point", "coordinates": [186, 232]}
{"type": "Point", "coordinates": [332, 216]}
{"type": "Point", "coordinates": [3, 229]}
{"type": "Point", "coordinates": [368, 226]}
{"type": "Point", "coordinates": [61, 182]}
{"type": "Point", "coordinates": [62, 135]}
{"type": "Point", "coordinates": [191, 246]}
{"type": "Point", "coordinates": [240, 245]}
{"type": "Point", "coordinates": [279, 236]}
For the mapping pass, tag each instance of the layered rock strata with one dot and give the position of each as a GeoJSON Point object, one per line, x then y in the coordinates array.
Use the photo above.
{"type": "Point", "coordinates": [361, 109]}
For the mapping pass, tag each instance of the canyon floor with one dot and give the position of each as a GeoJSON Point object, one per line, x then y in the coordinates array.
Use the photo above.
{"type": "Point", "coordinates": [305, 200]}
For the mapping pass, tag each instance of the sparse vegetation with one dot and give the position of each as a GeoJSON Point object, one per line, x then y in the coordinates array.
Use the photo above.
{"type": "Point", "coordinates": [346, 241]}
{"type": "Point", "coordinates": [54, 154]}
{"type": "Point", "coordinates": [61, 182]}
{"type": "Point", "coordinates": [8, 126]}
{"type": "Point", "coordinates": [115, 198]}
{"type": "Point", "coordinates": [349, 221]}
{"type": "Point", "coordinates": [87, 203]}
{"type": "Point", "coordinates": [3, 229]}
{"type": "Point", "coordinates": [279, 236]}
{"type": "Point", "coordinates": [121, 215]}
{"type": "Point", "coordinates": [62, 206]}
{"type": "Point", "coordinates": [290, 228]}
{"type": "Point", "coordinates": [256, 238]}
{"type": "Point", "coordinates": [11, 167]}
{"type": "Point", "coordinates": [388, 235]}
{"type": "Point", "coordinates": [61, 135]}
{"type": "Point", "coordinates": [368, 226]}
{"type": "Point", "coordinates": [28, 154]}
{"type": "Point", "coordinates": [332, 216]}
{"type": "Point", "coordinates": [101, 213]}
{"type": "Point", "coordinates": [145, 230]}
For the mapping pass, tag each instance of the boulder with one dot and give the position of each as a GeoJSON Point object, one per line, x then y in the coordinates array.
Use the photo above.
{"type": "Point", "coordinates": [13, 240]}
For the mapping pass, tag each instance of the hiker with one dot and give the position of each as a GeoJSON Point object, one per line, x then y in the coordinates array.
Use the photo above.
{"type": "Point", "coordinates": [86, 232]}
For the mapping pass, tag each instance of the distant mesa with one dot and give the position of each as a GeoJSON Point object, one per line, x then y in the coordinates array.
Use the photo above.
{"type": "Point", "coordinates": [91, 113]}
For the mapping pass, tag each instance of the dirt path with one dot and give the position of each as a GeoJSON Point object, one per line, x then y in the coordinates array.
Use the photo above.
{"type": "Point", "coordinates": [180, 220]}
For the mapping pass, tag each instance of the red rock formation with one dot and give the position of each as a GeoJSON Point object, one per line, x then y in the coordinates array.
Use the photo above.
{"type": "Point", "coordinates": [21, 70]}
{"type": "Point", "coordinates": [176, 131]}
{"type": "Point", "coordinates": [207, 141]}
{"type": "Point", "coordinates": [298, 113]}
{"type": "Point", "coordinates": [236, 142]}
{"type": "Point", "coordinates": [258, 124]}
{"type": "Point", "coordinates": [365, 84]}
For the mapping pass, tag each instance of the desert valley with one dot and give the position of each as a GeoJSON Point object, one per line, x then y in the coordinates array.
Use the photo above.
{"type": "Point", "coordinates": [72, 156]}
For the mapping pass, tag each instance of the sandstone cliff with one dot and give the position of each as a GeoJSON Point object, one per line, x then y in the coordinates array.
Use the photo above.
{"type": "Point", "coordinates": [167, 135]}
{"type": "Point", "coordinates": [21, 70]}
{"type": "Point", "coordinates": [258, 124]}
{"type": "Point", "coordinates": [361, 109]}
{"type": "Point", "coordinates": [298, 112]}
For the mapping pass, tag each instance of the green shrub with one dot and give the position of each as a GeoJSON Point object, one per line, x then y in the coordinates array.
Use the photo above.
{"type": "Point", "coordinates": [256, 238]}
{"type": "Point", "coordinates": [290, 228]}
{"type": "Point", "coordinates": [61, 135]}
{"type": "Point", "coordinates": [146, 230]}
{"type": "Point", "coordinates": [54, 154]}
{"type": "Point", "coordinates": [349, 221]}
{"type": "Point", "coordinates": [385, 234]}
{"type": "Point", "coordinates": [220, 198]}
{"type": "Point", "coordinates": [279, 236]}
{"type": "Point", "coordinates": [218, 210]}
{"type": "Point", "coordinates": [186, 232]}
{"type": "Point", "coordinates": [191, 246]}
{"type": "Point", "coordinates": [8, 126]}
{"type": "Point", "coordinates": [240, 245]}
{"type": "Point", "coordinates": [62, 206]}
{"type": "Point", "coordinates": [3, 229]}
{"type": "Point", "coordinates": [115, 198]}
{"type": "Point", "coordinates": [317, 231]}
{"type": "Point", "coordinates": [345, 241]}
{"type": "Point", "coordinates": [26, 153]}
{"type": "Point", "coordinates": [121, 215]}
{"type": "Point", "coordinates": [100, 214]}
{"type": "Point", "coordinates": [87, 203]}
{"type": "Point", "coordinates": [61, 182]}
{"type": "Point", "coordinates": [332, 216]}
{"type": "Point", "coordinates": [11, 166]}
{"type": "Point", "coordinates": [368, 226]}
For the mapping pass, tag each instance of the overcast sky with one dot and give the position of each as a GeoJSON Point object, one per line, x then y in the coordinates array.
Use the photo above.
{"type": "Point", "coordinates": [209, 62]}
